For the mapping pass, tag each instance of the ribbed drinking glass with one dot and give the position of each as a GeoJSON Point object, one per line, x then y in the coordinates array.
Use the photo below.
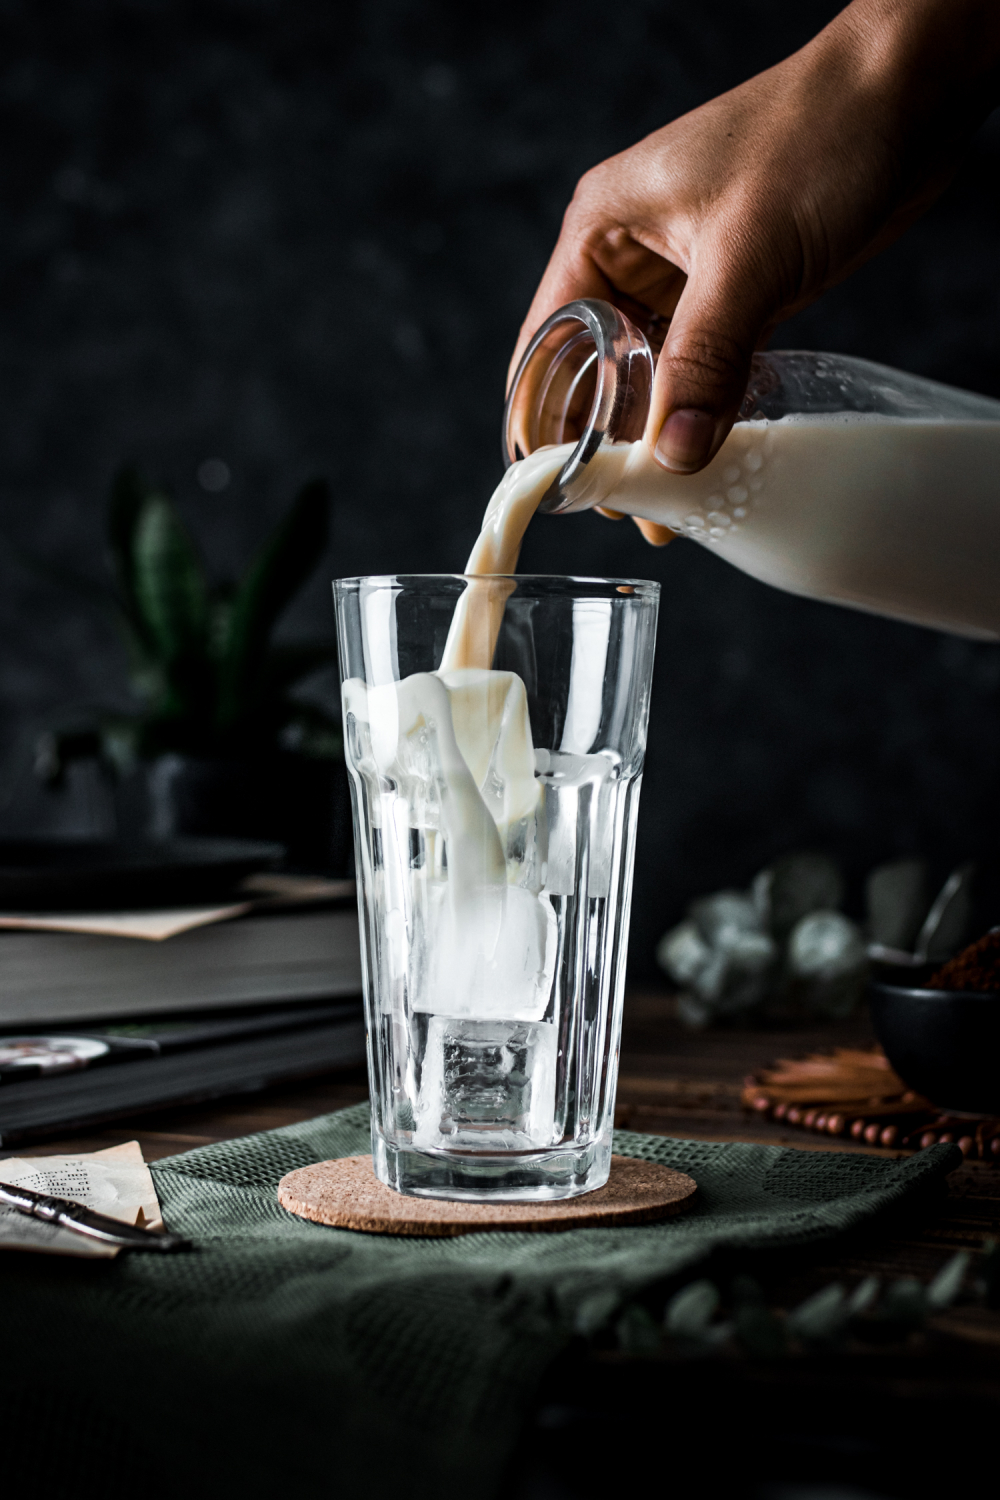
{"type": "Point", "coordinates": [494, 822]}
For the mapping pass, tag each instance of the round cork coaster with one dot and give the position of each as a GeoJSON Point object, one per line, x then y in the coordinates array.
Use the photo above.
{"type": "Point", "coordinates": [346, 1194]}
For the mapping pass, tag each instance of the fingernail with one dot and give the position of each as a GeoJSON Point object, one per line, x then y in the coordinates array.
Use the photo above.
{"type": "Point", "coordinates": [685, 440]}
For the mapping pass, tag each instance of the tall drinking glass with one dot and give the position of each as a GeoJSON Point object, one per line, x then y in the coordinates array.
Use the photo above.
{"type": "Point", "coordinates": [494, 825]}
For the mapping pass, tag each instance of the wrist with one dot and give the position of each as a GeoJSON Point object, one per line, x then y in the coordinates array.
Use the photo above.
{"type": "Point", "coordinates": [920, 60]}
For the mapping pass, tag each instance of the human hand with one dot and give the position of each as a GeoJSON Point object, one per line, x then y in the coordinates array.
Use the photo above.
{"type": "Point", "coordinates": [741, 213]}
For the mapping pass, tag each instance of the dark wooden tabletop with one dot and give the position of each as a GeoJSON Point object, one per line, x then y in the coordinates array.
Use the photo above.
{"type": "Point", "coordinates": [889, 1404]}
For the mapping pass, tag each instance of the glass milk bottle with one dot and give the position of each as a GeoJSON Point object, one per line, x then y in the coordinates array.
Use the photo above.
{"type": "Point", "coordinates": [842, 480]}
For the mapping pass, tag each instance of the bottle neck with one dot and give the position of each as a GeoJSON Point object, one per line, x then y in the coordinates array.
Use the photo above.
{"type": "Point", "coordinates": [586, 379]}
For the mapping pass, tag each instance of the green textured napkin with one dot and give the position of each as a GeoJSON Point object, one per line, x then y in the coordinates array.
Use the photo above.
{"type": "Point", "coordinates": [284, 1356]}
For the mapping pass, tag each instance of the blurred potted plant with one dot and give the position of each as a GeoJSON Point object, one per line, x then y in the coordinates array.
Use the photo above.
{"type": "Point", "coordinates": [221, 744]}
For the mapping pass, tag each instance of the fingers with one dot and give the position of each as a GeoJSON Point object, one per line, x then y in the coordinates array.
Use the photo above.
{"type": "Point", "coordinates": [597, 256]}
{"type": "Point", "coordinates": [701, 375]}
{"type": "Point", "coordinates": [570, 274]}
{"type": "Point", "coordinates": [656, 536]}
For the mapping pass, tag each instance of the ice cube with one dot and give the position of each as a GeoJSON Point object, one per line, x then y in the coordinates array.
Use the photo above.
{"type": "Point", "coordinates": [489, 966]}
{"type": "Point", "coordinates": [487, 1085]}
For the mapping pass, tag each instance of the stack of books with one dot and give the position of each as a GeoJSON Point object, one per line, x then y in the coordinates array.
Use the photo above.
{"type": "Point", "coordinates": [104, 1014]}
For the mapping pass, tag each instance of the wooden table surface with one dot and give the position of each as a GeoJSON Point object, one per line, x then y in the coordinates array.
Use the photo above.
{"type": "Point", "coordinates": [891, 1405]}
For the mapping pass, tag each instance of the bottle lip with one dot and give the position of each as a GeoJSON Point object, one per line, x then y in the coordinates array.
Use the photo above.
{"type": "Point", "coordinates": [593, 339]}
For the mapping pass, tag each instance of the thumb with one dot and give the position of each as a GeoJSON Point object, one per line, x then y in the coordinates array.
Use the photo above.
{"type": "Point", "coordinates": [702, 372]}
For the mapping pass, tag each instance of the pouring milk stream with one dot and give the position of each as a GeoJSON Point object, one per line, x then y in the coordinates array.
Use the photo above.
{"type": "Point", "coordinates": [846, 482]}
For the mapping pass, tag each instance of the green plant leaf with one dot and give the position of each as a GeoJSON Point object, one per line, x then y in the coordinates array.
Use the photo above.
{"type": "Point", "coordinates": [171, 596]}
{"type": "Point", "coordinates": [274, 577]}
{"type": "Point", "coordinates": [128, 494]}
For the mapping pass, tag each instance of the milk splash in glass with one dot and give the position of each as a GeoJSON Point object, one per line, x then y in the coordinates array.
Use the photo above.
{"type": "Point", "coordinates": [495, 805]}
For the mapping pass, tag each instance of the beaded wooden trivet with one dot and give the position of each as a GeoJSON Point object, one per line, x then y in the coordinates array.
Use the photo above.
{"type": "Point", "coordinates": [856, 1093]}
{"type": "Point", "coordinates": [347, 1195]}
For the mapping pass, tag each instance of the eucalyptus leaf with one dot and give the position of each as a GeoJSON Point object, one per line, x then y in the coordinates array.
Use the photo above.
{"type": "Point", "coordinates": [595, 1312]}
{"type": "Point", "coordinates": [682, 952]}
{"type": "Point", "coordinates": [828, 960]}
{"type": "Point", "coordinates": [821, 1318]}
{"type": "Point", "coordinates": [721, 956]}
{"type": "Point", "coordinates": [863, 1297]}
{"type": "Point", "coordinates": [723, 915]}
{"type": "Point", "coordinates": [790, 888]}
{"type": "Point", "coordinates": [689, 1311]}
{"type": "Point", "coordinates": [948, 1282]}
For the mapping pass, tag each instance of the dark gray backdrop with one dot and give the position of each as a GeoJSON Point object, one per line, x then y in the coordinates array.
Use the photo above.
{"type": "Point", "coordinates": [299, 237]}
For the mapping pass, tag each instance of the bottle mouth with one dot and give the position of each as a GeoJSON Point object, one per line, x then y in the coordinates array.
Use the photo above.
{"type": "Point", "coordinates": [585, 379]}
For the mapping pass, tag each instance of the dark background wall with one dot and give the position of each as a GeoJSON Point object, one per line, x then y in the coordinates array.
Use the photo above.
{"type": "Point", "coordinates": [299, 237]}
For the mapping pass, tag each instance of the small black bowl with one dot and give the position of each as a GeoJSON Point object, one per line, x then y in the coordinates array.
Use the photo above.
{"type": "Point", "coordinates": [945, 1044]}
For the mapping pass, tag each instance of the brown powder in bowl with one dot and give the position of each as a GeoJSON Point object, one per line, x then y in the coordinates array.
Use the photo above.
{"type": "Point", "coordinates": [976, 968]}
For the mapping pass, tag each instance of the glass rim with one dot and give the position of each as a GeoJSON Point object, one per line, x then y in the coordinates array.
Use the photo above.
{"type": "Point", "coordinates": [629, 586]}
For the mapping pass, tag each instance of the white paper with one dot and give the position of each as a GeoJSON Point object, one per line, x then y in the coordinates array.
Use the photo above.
{"type": "Point", "coordinates": [264, 891]}
{"type": "Point", "coordinates": [152, 925]}
{"type": "Point", "coordinates": [115, 1182]}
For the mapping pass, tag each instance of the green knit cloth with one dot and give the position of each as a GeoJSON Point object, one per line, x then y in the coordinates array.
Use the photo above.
{"type": "Point", "coordinates": [285, 1358]}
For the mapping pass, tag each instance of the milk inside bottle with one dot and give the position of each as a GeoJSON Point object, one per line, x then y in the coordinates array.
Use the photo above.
{"type": "Point", "coordinates": [844, 480]}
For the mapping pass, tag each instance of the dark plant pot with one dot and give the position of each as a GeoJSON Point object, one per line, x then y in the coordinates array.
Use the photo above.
{"type": "Point", "coordinates": [943, 1044]}
{"type": "Point", "coordinates": [290, 799]}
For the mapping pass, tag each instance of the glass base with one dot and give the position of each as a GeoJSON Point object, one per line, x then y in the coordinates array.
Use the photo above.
{"type": "Point", "coordinates": [527, 1177]}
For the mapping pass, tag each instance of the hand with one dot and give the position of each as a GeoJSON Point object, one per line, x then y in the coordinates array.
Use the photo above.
{"type": "Point", "coordinates": [743, 212]}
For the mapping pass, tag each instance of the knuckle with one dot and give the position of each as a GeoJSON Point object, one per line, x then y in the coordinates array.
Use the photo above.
{"type": "Point", "coordinates": [589, 200]}
{"type": "Point", "coordinates": [706, 357]}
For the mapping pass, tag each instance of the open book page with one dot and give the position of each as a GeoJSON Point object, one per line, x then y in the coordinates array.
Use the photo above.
{"type": "Point", "coordinates": [115, 1182]}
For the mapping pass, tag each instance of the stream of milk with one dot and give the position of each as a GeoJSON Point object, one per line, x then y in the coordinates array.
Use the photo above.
{"type": "Point", "coordinates": [470, 938]}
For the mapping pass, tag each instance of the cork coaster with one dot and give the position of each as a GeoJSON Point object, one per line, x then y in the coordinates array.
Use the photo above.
{"type": "Point", "coordinates": [347, 1195]}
